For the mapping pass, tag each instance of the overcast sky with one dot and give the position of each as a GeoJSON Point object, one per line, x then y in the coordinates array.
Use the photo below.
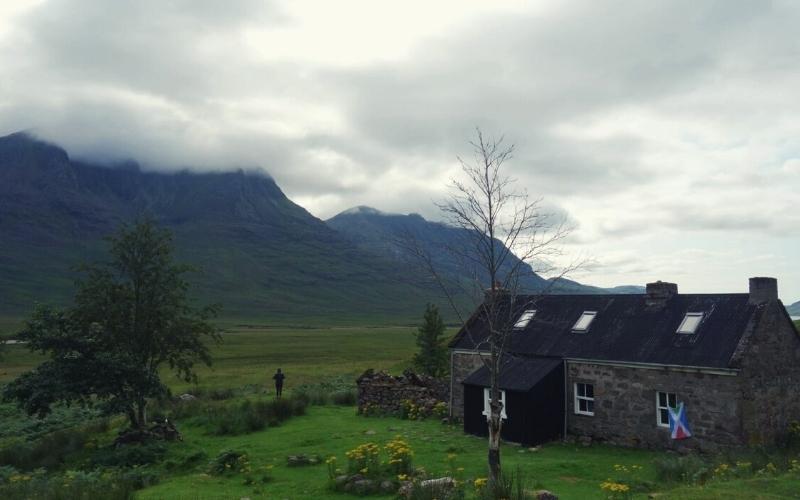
{"type": "Point", "coordinates": [669, 132]}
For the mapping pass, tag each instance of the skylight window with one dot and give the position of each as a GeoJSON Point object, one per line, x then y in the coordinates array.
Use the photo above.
{"type": "Point", "coordinates": [690, 323]}
{"type": "Point", "coordinates": [582, 325]}
{"type": "Point", "coordinates": [524, 319]}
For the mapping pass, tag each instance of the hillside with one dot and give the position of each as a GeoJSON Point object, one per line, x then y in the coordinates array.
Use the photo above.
{"type": "Point", "coordinates": [398, 235]}
{"type": "Point", "coordinates": [794, 309]}
{"type": "Point", "coordinates": [261, 255]}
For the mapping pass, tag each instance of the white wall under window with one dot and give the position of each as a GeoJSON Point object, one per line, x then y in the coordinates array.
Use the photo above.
{"type": "Point", "coordinates": [486, 399]}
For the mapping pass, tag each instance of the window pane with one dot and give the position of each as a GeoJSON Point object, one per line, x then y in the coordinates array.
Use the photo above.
{"type": "Point", "coordinates": [662, 399]}
{"type": "Point", "coordinates": [584, 321]}
{"type": "Point", "coordinates": [690, 323]}
{"type": "Point", "coordinates": [582, 405]}
{"type": "Point", "coordinates": [590, 406]}
{"type": "Point", "coordinates": [589, 391]}
{"type": "Point", "coordinates": [673, 400]}
{"type": "Point", "coordinates": [664, 417]}
{"type": "Point", "coordinates": [525, 318]}
{"type": "Point", "coordinates": [581, 390]}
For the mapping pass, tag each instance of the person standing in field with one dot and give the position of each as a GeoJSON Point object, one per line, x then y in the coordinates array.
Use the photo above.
{"type": "Point", "coordinates": [278, 377]}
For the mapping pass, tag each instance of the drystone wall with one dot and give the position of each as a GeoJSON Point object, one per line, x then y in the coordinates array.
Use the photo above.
{"type": "Point", "coordinates": [384, 394]}
{"type": "Point", "coordinates": [625, 406]}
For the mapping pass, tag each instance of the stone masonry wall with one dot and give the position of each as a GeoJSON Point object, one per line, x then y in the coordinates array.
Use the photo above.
{"type": "Point", "coordinates": [625, 406]}
{"type": "Point", "coordinates": [379, 392]}
{"type": "Point", "coordinates": [770, 362]}
{"type": "Point", "coordinates": [462, 365]}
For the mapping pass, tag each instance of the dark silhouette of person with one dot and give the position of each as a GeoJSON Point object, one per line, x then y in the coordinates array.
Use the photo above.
{"type": "Point", "coordinates": [278, 377]}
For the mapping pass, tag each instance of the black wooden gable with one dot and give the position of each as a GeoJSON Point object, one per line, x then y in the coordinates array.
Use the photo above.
{"type": "Point", "coordinates": [626, 328]}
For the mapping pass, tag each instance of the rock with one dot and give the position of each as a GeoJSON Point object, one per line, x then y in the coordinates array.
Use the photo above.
{"type": "Point", "coordinates": [369, 432]}
{"type": "Point", "coordinates": [187, 397]}
{"type": "Point", "coordinates": [406, 489]}
{"type": "Point", "coordinates": [364, 487]}
{"type": "Point", "coordinates": [387, 487]}
{"type": "Point", "coordinates": [441, 482]}
{"type": "Point", "coordinates": [544, 495]}
{"type": "Point", "coordinates": [340, 481]}
{"type": "Point", "coordinates": [585, 441]}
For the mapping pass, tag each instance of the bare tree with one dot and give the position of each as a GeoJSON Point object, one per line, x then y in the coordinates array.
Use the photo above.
{"type": "Point", "coordinates": [508, 235]}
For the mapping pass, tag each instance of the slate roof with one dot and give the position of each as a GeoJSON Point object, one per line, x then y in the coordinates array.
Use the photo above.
{"type": "Point", "coordinates": [516, 374]}
{"type": "Point", "coordinates": [626, 328]}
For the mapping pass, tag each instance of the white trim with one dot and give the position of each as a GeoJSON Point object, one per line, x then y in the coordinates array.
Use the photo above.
{"type": "Point", "coordinates": [487, 410]}
{"type": "Point", "coordinates": [578, 398]}
{"type": "Point", "coordinates": [659, 407]}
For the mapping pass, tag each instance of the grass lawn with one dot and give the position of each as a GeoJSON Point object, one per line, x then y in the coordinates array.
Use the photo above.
{"type": "Point", "coordinates": [572, 472]}
{"type": "Point", "coordinates": [249, 356]}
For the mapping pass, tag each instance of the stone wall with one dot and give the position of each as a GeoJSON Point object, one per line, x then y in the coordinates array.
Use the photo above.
{"type": "Point", "coordinates": [461, 366]}
{"type": "Point", "coordinates": [770, 362]}
{"type": "Point", "coordinates": [381, 393]}
{"type": "Point", "coordinates": [625, 406]}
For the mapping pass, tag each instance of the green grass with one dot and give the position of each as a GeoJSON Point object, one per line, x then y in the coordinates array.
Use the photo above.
{"type": "Point", "coordinates": [248, 357]}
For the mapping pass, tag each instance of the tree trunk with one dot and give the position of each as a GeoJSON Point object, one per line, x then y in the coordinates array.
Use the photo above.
{"type": "Point", "coordinates": [142, 414]}
{"type": "Point", "coordinates": [494, 444]}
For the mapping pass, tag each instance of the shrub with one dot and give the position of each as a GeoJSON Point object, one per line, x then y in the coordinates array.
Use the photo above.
{"type": "Point", "coordinates": [76, 485]}
{"type": "Point", "coordinates": [364, 459]}
{"type": "Point", "coordinates": [400, 456]}
{"type": "Point", "coordinates": [510, 486]}
{"type": "Point", "coordinates": [250, 416]}
{"type": "Point", "coordinates": [688, 469]}
{"type": "Point", "coordinates": [344, 398]}
{"type": "Point", "coordinates": [49, 451]}
{"type": "Point", "coordinates": [129, 456]}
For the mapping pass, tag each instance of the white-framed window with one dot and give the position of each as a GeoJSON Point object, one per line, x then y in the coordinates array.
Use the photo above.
{"type": "Point", "coordinates": [486, 410]}
{"type": "Point", "coordinates": [665, 401]}
{"type": "Point", "coordinates": [524, 319]}
{"type": "Point", "coordinates": [583, 323]}
{"type": "Point", "coordinates": [690, 323]}
{"type": "Point", "coordinates": [584, 399]}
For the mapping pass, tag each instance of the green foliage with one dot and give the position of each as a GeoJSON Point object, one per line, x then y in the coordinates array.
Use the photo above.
{"type": "Point", "coordinates": [49, 451]}
{"type": "Point", "coordinates": [687, 469]}
{"type": "Point", "coordinates": [431, 359]}
{"type": "Point", "coordinates": [113, 484]}
{"type": "Point", "coordinates": [251, 416]}
{"type": "Point", "coordinates": [510, 486]}
{"type": "Point", "coordinates": [129, 455]}
{"type": "Point", "coordinates": [344, 398]}
{"type": "Point", "coordinates": [131, 316]}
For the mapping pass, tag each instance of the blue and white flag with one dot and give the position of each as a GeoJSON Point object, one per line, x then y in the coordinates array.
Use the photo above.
{"type": "Point", "coordinates": [678, 424]}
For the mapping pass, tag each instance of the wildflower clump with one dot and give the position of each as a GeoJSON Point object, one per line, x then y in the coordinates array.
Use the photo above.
{"type": "Point", "coordinates": [400, 456]}
{"type": "Point", "coordinates": [615, 490]}
{"type": "Point", "coordinates": [364, 459]}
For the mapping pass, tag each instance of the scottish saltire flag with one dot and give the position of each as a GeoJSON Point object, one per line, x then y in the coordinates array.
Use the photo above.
{"type": "Point", "coordinates": [678, 425]}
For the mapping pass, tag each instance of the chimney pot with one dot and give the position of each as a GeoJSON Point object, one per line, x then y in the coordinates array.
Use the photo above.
{"type": "Point", "coordinates": [763, 290]}
{"type": "Point", "coordinates": [660, 292]}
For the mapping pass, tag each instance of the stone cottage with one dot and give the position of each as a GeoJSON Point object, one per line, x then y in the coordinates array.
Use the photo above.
{"type": "Point", "coordinates": [608, 367]}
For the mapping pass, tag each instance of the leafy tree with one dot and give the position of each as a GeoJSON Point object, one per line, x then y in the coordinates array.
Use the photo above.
{"type": "Point", "coordinates": [130, 317]}
{"type": "Point", "coordinates": [432, 356]}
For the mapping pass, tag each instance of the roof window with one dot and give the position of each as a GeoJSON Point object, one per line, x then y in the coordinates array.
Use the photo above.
{"type": "Point", "coordinates": [524, 319]}
{"type": "Point", "coordinates": [582, 325]}
{"type": "Point", "coordinates": [690, 323]}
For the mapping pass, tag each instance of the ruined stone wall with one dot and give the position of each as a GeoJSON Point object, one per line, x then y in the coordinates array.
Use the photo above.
{"type": "Point", "coordinates": [625, 406]}
{"type": "Point", "coordinates": [770, 361]}
{"type": "Point", "coordinates": [462, 365]}
{"type": "Point", "coordinates": [381, 393]}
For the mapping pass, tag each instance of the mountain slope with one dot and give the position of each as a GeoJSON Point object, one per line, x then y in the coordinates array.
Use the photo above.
{"type": "Point", "coordinates": [393, 234]}
{"type": "Point", "coordinates": [794, 309]}
{"type": "Point", "coordinates": [261, 255]}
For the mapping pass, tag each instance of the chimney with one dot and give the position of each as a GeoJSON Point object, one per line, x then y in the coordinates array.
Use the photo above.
{"type": "Point", "coordinates": [660, 292]}
{"type": "Point", "coordinates": [763, 290]}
